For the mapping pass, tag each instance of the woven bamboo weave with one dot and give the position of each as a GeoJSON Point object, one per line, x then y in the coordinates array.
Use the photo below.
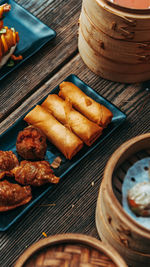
{"type": "Point", "coordinates": [69, 255]}
{"type": "Point", "coordinates": [70, 250]}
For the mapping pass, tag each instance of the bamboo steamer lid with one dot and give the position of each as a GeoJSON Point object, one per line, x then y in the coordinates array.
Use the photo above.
{"type": "Point", "coordinates": [114, 225]}
{"type": "Point", "coordinates": [115, 42]}
{"type": "Point", "coordinates": [70, 250]}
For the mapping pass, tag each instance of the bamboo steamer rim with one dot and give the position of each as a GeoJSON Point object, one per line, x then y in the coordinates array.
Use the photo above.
{"type": "Point", "coordinates": [127, 9]}
{"type": "Point", "coordinates": [107, 183]}
{"type": "Point", "coordinates": [73, 238]}
{"type": "Point", "coordinates": [99, 215]}
{"type": "Point", "coordinates": [115, 9]}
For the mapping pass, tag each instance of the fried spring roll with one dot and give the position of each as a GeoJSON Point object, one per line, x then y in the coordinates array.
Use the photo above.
{"type": "Point", "coordinates": [62, 110]}
{"type": "Point", "coordinates": [60, 136]}
{"type": "Point", "coordinates": [86, 105]}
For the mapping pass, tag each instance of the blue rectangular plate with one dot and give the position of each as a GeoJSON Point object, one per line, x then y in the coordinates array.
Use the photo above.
{"type": "Point", "coordinates": [32, 32]}
{"type": "Point", "coordinates": [8, 141]}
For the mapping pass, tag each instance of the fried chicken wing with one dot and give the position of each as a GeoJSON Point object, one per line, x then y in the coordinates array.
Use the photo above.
{"type": "Point", "coordinates": [13, 195]}
{"type": "Point", "coordinates": [8, 161]}
{"type": "Point", "coordinates": [31, 143]}
{"type": "Point", "coordinates": [34, 173]}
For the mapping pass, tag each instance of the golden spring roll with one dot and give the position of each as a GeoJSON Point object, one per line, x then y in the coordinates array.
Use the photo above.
{"type": "Point", "coordinates": [87, 130]}
{"type": "Point", "coordinates": [86, 105]}
{"type": "Point", "coordinates": [60, 136]}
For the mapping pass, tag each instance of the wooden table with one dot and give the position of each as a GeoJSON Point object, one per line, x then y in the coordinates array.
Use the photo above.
{"type": "Point", "coordinates": [75, 197]}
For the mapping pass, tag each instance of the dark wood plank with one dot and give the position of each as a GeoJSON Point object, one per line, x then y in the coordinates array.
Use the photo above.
{"type": "Point", "coordinates": [63, 18]}
{"type": "Point", "coordinates": [76, 196]}
{"type": "Point", "coordinates": [129, 98]}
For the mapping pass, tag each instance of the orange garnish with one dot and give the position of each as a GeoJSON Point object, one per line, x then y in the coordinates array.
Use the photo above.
{"type": "Point", "coordinates": [44, 234]}
{"type": "Point", "coordinates": [5, 46]}
{"type": "Point", "coordinates": [13, 57]}
{"type": "Point", "coordinates": [132, 203]}
{"type": "Point", "coordinates": [1, 24]}
{"type": "Point", "coordinates": [1, 11]}
{"type": "Point", "coordinates": [17, 37]}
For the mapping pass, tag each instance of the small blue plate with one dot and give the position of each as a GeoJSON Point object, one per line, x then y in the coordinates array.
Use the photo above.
{"type": "Point", "coordinates": [32, 32]}
{"type": "Point", "coordinates": [8, 141]}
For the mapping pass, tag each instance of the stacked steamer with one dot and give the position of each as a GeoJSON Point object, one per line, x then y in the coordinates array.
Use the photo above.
{"type": "Point", "coordinates": [114, 42]}
{"type": "Point", "coordinates": [114, 225]}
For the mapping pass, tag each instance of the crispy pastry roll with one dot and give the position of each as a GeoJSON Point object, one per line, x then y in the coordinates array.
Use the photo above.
{"type": "Point", "coordinates": [86, 105]}
{"type": "Point", "coordinates": [60, 136]}
{"type": "Point", "coordinates": [62, 110]}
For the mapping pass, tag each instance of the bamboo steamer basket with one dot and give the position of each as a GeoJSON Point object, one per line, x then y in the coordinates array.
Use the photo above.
{"type": "Point", "coordinates": [113, 224]}
{"type": "Point", "coordinates": [99, 38]}
{"type": "Point", "coordinates": [114, 42]}
{"type": "Point", "coordinates": [109, 69]}
{"type": "Point", "coordinates": [70, 250]}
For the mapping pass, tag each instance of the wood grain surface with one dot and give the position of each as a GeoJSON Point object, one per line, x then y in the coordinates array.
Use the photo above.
{"type": "Point", "coordinates": [74, 199]}
{"type": "Point", "coordinates": [62, 16]}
